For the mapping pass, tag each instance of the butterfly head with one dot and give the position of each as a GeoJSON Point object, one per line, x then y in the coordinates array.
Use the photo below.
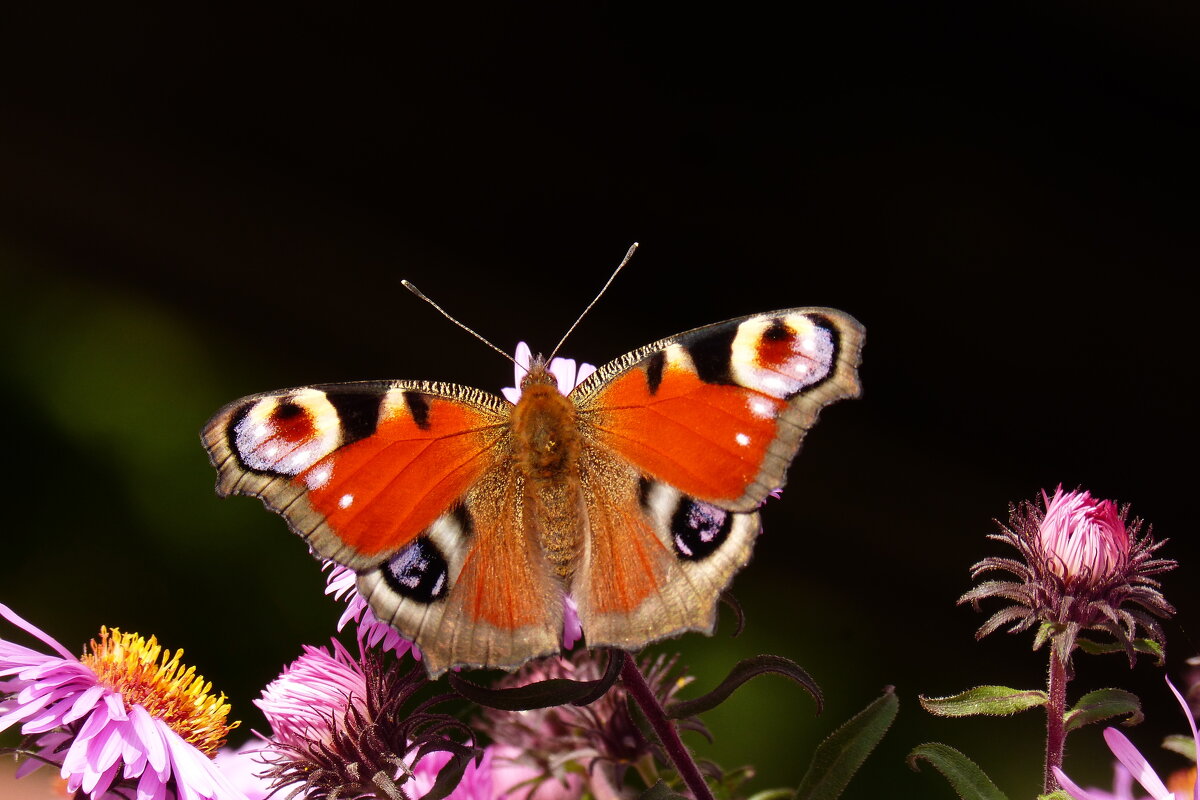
{"type": "Point", "coordinates": [538, 374]}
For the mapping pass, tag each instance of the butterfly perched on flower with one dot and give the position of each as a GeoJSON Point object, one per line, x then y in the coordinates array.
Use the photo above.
{"type": "Point", "coordinates": [474, 523]}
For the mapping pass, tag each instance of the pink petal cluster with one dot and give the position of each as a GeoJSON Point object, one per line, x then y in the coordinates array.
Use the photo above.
{"type": "Point", "coordinates": [1135, 763]}
{"type": "Point", "coordinates": [312, 694]}
{"type": "Point", "coordinates": [372, 631]}
{"type": "Point", "coordinates": [1083, 538]}
{"type": "Point", "coordinates": [567, 371]}
{"type": "Point", "coordinates": [92, 733]}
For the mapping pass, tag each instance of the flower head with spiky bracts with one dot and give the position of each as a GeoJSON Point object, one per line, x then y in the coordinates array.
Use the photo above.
{"type": "Point", "coordinates": [347, 727]}
{"type": "Point", "coordinates": [1082, 567]}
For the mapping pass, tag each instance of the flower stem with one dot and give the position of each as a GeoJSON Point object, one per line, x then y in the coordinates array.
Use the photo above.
{"type": "Point", "coordinates": [668, 734]}
{"type": "Point", "coordinates": [1056, 705]}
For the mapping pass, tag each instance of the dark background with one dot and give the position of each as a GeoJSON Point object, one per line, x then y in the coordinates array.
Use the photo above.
{"type": "Point", "coordinates": [197, 205]}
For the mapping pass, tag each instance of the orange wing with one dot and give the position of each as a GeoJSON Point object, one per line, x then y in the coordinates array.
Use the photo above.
{"type": "Point", "coordinates": [719, 412]}
{"type": "Point", "coordinates": [357, 469]}
{"type": "Point", "coordinates": [413, 486]}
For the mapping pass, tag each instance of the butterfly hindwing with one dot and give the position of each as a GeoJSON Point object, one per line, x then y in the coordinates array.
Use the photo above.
{"type": "Point", "coordinates": [473, 589]}
{"type": "Point", "coordinates": [719, 412]}
{"type": "Point", "coordinates": [655, 560]}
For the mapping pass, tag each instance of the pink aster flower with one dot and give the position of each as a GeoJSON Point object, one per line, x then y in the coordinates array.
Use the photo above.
{"type": "Point", "coordinates": [1082, 567]}
{"type": "Point", "coordinates": [1084, 539]}
{"type": "Point", "coordinates": [342, 726]}
{"type": "Point", "coordinates": [313, 695]}
{"type": "Point", "coordinates": [1138, 767]}
{"type": "Point", "coordinates": [127, 715]}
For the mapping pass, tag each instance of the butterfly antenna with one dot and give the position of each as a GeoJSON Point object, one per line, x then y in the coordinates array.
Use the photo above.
{"type": "Point", "coordinates": [444, 313]}
{"type": "Point", "coordinates": [603, 289]}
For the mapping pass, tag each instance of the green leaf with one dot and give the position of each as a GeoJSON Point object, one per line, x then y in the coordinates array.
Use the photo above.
{"type": "Point", "coordinates": [841, 754]}
{"type": "Point", "coordinates": [996, 701]}
{"type": "Point", "coordinates": [1044, 632]}
{"type": "Point", "coordinates": [743, 671]}
{"type": "Point", "coordinates": [1150, 647]}
{"type": "Point", "coordinates": [660, 791]}
{"type": "Point", "coordinates": [1103, 704]}
{"type": "Point", "coordinates": [1184, 745]}
{"type": "Point", "coordinates": [1057, 794]}
{"type": "Point", "coordinates": [773, 794]}
{"type": "Point", "coordinates": [964, 775]}
{"type": "Point", "coordinates": [1147, 646]}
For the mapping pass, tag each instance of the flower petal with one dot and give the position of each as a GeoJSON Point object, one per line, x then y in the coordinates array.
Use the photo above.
{"type": "Point", "coordinates": [1137, 764]}
{"type": "Point", "coordinates": [84, 703]}
{"type": "Point", "coordinates": [585, 372]}
{"type": "Point", "coordinates": [1070, 786]}
{"type": "Point", "coordinates": [36, 632]}
{"type": "Point", "coordinates": [1187, 711]}
{"type": "Point", "coordinates": [151, 737]}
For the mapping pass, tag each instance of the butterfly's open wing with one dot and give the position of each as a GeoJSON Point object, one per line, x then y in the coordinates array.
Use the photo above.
{"type": "Point", "coordinates": [654, 560]}
{"type": "Point", "coordinates": [691, 434]}
{"type": "Point", "coordinates": [411, 485]}
{"type": "Point", "coordinates": [719, 412]}
{"type": "Point", "coordinates": [357, 469]}
{"type": "Point", "coordinates": [474, 589]}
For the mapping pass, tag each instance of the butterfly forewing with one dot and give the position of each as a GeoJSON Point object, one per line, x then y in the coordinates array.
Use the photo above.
{"type": "Point", "coordinates": [357, 469]}
{"type": "Point", "coordinates": [719, 412]}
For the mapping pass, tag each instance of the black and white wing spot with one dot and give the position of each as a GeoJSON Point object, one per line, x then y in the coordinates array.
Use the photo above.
{"type": "Point", "coordinates": [693, 529]}
{"type": "Point", "coordinates": [286, 434]}
{"type": "Point", "coordinates": [418, 572]}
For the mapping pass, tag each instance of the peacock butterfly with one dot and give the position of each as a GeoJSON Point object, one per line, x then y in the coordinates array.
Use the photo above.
{"type": "Point", "coordinates": [472, 522]}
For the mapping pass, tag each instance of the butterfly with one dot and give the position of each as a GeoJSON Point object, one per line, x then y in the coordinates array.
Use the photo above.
{"type": "Point", "coordinates": [473, 523]}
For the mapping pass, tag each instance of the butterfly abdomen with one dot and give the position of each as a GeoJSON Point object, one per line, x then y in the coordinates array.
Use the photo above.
{"type": "Point", "coordinates": [546, 447]}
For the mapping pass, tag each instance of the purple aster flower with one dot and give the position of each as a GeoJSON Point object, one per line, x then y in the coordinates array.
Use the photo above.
{"type": "Point", "coordinates": [127, 715]}
{"type": "Point", "coordinates": [313, 695]}
{"type": "Point", "coordinates": [1139, 768]}
{"type": "Point", "coordinates": [347, 727]}
{"type": "Point", "coordinates": [1082, 567]}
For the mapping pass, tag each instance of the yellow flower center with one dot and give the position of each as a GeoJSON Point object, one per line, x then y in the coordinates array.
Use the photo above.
{"type": "Point", "coordinates": [171, 692]}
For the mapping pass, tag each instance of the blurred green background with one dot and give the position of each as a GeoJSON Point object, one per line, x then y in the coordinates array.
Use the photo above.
{"type": "Point", "coordinates": [195, 206]}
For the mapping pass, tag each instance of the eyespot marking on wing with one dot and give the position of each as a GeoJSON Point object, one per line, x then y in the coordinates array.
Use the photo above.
{"type": "Point", "coordinates": [285, 435]}
{"type": "Point", "coordinates": [781, 355]}
{"type": "Point", "coordinates": [418, 572]}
